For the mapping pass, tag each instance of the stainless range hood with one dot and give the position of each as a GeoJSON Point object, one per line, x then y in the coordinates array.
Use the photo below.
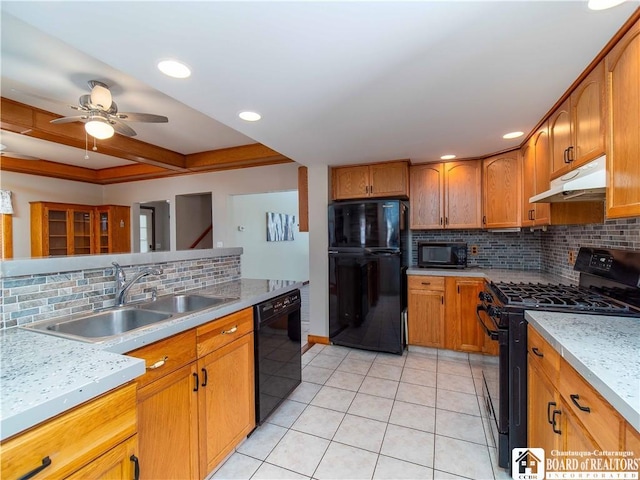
{"type": "Point", "coordinates": [585, 184]}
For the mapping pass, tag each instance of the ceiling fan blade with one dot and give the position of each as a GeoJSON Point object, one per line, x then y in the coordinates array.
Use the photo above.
{"type": "Point", "coordinates": [78, 118]}
{"type": "Point", "coordinates": [122, 128]}
{"type": "Point", "coordinates": [142, 117]}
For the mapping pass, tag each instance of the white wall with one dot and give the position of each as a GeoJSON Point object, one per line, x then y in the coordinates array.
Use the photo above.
{"type": "Point", "coordinates": [262, 259]}
{"type": "Point", "coordinates": [32, 188]}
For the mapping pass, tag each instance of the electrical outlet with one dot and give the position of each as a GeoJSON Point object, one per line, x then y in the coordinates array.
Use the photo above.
{"type": "Point", "coordinates": [571, 257]}
{"type": "Point", "coordinates": [474, 249]}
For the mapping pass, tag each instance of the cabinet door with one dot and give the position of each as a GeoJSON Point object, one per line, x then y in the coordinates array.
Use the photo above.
{"type": "Point", "coordinates": [575, 437]}
{"type": "Point", "coordinates": [426, 209]}
{"type": "Point", "coordinates": [426, 318]}
{"type": "Point", "coordinates": [119, 463]}
{"type": "Point", "coordinates": [226, 403]}
{"type": "Point", "coordinates": [81, 234]}
{"type": "Point", "coordinates": [389, 179]}
{"type": "Point", "coordinates": [528, 183]}
{"type": "Point", "coordinates": [462, 195]}
{"type": "Point", "coordinates": [469, 334]}
{"type": "Point", "coordinates": [168, 426]}
{"type": "Point", "coordinates": [543, 400]}
{"type": "Point", "coordinates": [501, 193]}
{"type": "Point", "coordinates": [587, 108]}
{"type": "Point", "coordinates": [351, 182]}
{"type": "Point", "coordinates": [56, 234]}
{"type": "Point", "coordinates": [541, 147]}
{"type": "Point", "coordinates": [560, 140]}
{"type": "Point", "coordinates": [623, 124]}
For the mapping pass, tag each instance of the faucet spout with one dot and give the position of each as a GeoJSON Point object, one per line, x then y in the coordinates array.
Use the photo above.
{"type": "Point", "coordinates": [123, 287]}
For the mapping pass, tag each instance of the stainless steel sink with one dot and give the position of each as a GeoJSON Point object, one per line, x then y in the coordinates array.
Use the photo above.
{"type": "Point", "coordinates": [183, 303]}
{"type": "Point", "coordinates": [105, 324]}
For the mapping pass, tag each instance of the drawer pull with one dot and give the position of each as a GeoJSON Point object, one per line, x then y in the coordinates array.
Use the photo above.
{"type": "Point", "coordinates": [158, 364]}
{"type": "Point", "coordinates": [574, 399]}
{"type": "Point", "coordinates": [537, 352]}
{"type": "Point", "coordinates": [549, 405]}
{"type": "Point", "coordinates": [553, 424]}
{"type": "Point", "coordinates": [46, 461]}
{"type": "Point", "coordinates": [231, 330]}
{"type": "Point", "coordinates": [136, 467]}
{"type": "Point", "coordinates": [426, 283]}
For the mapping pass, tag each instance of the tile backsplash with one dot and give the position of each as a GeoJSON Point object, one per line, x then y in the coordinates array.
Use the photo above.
{"type": "Point", "coordinates": [30, 298]}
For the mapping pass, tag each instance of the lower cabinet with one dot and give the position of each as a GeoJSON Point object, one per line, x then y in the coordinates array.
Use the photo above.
{"type": "Point", "coordinates": [94, 440]}
{"type": "Point", "coordinates": [196, 402]}
{"type": "Point", "coordinates": [442, 313]}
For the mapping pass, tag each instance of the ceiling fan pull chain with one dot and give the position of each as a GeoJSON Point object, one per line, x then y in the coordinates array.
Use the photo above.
{"type": "Point", "coordinates": [86, 146]}
{"type": "Point", "coordinates": [95, 148]}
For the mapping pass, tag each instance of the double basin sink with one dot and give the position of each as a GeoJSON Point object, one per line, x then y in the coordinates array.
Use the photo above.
{"type": "Point", "coordinates": [110, 323]}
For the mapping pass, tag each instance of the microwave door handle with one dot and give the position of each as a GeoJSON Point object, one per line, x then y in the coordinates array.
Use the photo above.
{"type": "Point", "coordinates": [492, 334]}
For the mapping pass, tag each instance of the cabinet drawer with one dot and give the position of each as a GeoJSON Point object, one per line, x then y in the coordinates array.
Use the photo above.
{"type": "Point", "coordinates": [222, 331]}
{"type": "Point", "coordinates": [73, 439]}
{"type": "Point", "coordinates": [543, 355]}
{"type": "Point", "coordinates": [423, 282]}
{"type": "Point", "coordinates": [166, 356]}
{"type": "Point", "coordinates": [600, 421]}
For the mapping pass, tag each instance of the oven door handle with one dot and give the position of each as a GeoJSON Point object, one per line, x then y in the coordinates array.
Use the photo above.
{"type": "Point", "coordinates": [492, 334]}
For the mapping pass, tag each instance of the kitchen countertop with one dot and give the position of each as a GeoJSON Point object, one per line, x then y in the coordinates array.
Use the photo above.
{"type": "Point", "coordinates": [492, 274]}
{"type": "Point", "coordinates": [604, 350]}
{"type": "Point", "coordinates": [43, 375]}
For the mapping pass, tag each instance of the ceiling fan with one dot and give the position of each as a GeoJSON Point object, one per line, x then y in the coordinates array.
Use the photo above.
{"type": "Point", "coordinates": [101, 117]}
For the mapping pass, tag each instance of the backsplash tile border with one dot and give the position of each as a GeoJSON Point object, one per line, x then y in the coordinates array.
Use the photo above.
{"type": "Point", "coordinates": [30, 298]}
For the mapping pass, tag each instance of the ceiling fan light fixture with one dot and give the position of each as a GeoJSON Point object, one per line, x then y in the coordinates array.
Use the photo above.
{"type": "Point", "coordinates": [173, 68]}
{"type": "Point", "coordinates": [101, 97]}
{"type": "Point", "coordinates": [98, 128]}
{"type": "Point", "coordinates": [248, 116]}
{"type": "Point", "coordinates": [603, 4]}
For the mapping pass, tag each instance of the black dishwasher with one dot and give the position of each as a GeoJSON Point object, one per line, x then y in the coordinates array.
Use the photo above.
{"type": "Point", "coordinates": [278, 358]}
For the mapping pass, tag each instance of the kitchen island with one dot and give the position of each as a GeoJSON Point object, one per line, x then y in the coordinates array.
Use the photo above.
{"type": "Point", "coordinates": [43, 375]}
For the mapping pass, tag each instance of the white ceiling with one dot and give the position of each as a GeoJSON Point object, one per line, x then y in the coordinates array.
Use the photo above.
{"type": "Point", "coordinates": [335, 82]}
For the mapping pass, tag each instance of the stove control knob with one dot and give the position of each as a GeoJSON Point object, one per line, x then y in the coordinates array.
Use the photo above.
{"type": "Point", "coordinates": [485, 297]}
{"type": "Point", "coordinates": [494, 311]}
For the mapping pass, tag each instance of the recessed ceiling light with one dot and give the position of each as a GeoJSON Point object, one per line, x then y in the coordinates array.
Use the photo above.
{"type": "Point", "coordinates": [510, 135]}
{"type": "Point", "coordinates": [250, 116]}
{"type": "Point", "coordinates": [447, 157]}
{"type": "Point", "coordinates": [174, 69]}
{"type": "Point", "coordinates": [603, 4]}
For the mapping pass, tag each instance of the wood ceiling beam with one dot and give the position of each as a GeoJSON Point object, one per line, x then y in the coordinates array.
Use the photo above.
{"type": "Point", "coordinates": [46, 168]}
{"type": "Point", "coordinates": [27, 120]}
{"type": "Point", "coordinates": [245, 155]}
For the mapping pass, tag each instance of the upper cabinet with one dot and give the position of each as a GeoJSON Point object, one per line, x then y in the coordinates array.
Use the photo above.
{"type": "Point", "coordinates": [446, 195]}
{"type": "Point", "coordinates": [535, 178]}
{"type": "Point", "coordinates": [623, 156]}
{"type": "Point", "coordinates": [501, 182]}
{"type": "Point", "coordinates": [377, 180]}
{"type": "Point", "coordinates": [577, 127]}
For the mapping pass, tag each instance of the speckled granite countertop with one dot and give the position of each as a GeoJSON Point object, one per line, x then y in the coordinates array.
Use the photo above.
{"type": "Point", "coordinates": [44, 375]}
{"type": "Point", "coordinates": [492, 274]}
{"type": "Point", "coordinates": [604, 350]}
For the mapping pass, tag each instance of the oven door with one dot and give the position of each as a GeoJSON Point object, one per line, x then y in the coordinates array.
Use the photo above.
{"type": "Point", "coordinates": [495, 385]}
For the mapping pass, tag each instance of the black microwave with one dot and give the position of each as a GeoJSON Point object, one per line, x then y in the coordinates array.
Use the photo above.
{"type": "Point", "coordinates": [442, 255]}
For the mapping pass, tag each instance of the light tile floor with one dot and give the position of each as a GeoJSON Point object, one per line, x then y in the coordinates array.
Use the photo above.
{"type": "Point", "coordinates": [366, 415]}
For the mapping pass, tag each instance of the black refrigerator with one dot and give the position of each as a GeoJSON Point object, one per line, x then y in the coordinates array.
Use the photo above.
{"type": "Point", "coordinates": [367, 274]}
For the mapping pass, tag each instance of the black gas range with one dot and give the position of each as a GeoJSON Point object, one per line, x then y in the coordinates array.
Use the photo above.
{"type": "Point", "coordinates": [609, 285]}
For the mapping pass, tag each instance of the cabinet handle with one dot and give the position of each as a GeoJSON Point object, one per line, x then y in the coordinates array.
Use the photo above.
{"type": "Point", "coordinates": [446, 220]}
{"type": "Point", "coordinates": [46, 461]}
{"type": "Point", "coordinates": [574, 398]}
{"type": "Point", "coordinates": [442, 300]}
{"type": "Point", "coordinates": [426, 283]}
{"type": "Point", "coordinates": [440, 220]}
{"type": "Point", "coordinates": [553, 424]}
{"type": "Point", "coordinates": [565, 155]}
{"type": "Point", "coordinates": [231, 330]}
{"type": "Point", "coordinates": [158, 364]}
{"type": "Point", "coordinates": [196, 384]}
{"type": "Point", "coordinates": [366, 189]}
{"type": "Point", "coordinates": [570, 154]}
{"type": "Point", "coordinates": [205, 377]}
{"type": "Point", "coordinates": [136, 467]}
{"type": "Point", "coordinates": [536, 352]}
{"type": "Point", "coordinates": [549, 405]}
{"type": "Point", "coordinates": [371, 189]}
{"type": "Point", "coordinates": [484, 219]}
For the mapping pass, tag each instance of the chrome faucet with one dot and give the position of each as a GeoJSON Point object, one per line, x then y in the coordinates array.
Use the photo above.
{"type": "Point", "coordinates": [122, 287]}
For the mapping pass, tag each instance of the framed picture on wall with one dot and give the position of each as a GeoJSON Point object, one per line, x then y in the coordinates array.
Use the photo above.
{"type": "Point", "coordinates": [280, 227]}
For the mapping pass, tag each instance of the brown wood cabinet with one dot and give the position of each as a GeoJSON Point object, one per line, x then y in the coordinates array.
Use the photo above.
{"type": "Point", "coordinates": [565, 411]}
{"type": "Point", "coordinates": [378, 180]}
{"type": "Point", "coordinates": [70, 229]}
{"type": "Point", "coordinates": [623, 124]}
{"type": "Point", "coordinates": [501, 190]}
{"type": "Point", "coordinates": [425, 310]}
{"type": "Point", "coordinates": [535, 178]}
{"type": "Point", "coordinates": [181, 394]}
{"type": "Point", "coordinates": [95, 439]}
{"type": "Point", "coordinates": [577, 127]}
{"type": "Point", "coordinates": [446, 195]}
{"type": "Point", "coordinates": [463, 332]}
